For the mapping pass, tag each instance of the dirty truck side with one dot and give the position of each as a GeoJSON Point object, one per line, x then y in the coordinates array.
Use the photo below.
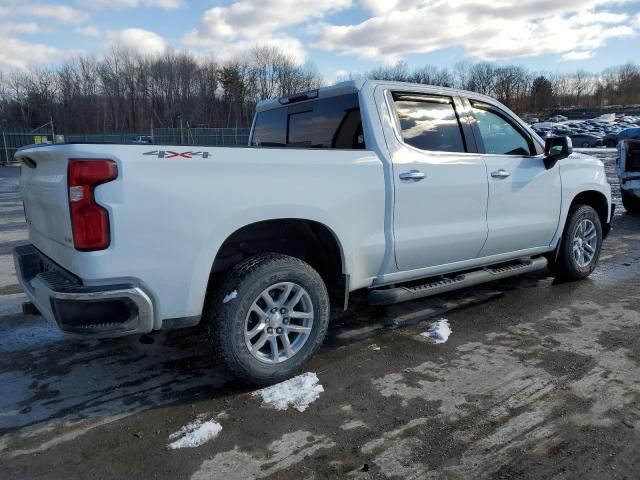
{"type": "Point", "coordinates": [404, 190]}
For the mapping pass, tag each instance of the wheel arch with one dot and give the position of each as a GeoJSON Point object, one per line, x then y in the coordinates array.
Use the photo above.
{"type": "Point", "coordinates": [309, 240]}
{"type": "Point", "coordinates": [595, 199]}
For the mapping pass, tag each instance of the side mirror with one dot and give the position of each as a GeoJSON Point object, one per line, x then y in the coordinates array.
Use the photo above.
{"type": "Point", "coordinates": [556, 148]}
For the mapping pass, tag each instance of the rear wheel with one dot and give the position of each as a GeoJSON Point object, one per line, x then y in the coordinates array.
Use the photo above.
{"type": "Point", "coordinates": [267, 317]}
{"type": "Point", "coordinates": [581, 244]}
{"type": "Point", "coordinates": [630, 202]}
{"type": "Point", "coordinates": [611, 144]}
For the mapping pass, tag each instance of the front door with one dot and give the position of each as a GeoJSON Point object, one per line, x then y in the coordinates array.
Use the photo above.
{"type": "Point", "coordinates": [440, 187]}
{"type": "Point", "coordinates": [524, 196]}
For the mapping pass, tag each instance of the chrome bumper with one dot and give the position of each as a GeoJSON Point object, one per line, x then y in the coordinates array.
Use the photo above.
{"type": "Point", "coordinates": [97, 311]}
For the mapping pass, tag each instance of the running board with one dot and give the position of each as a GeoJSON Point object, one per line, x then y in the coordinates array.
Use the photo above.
{"type": "Point", "coordinates": [389, 296]}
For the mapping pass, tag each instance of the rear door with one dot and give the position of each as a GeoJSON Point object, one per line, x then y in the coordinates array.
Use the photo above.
{"type": "Point", "coordinates": [524, 196]}
{"type": "Point", "coordinates": [440, 183]}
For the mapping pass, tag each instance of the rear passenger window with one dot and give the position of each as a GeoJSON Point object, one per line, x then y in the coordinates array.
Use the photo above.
{"type": "Point", "coordinates": [270, 129]}
{"type": "Point", "coordinates": [498, 135]}
{"type": "Point", "coordinates": [332, 122]}
{"type": "Point", "coordinates": [429, 123]}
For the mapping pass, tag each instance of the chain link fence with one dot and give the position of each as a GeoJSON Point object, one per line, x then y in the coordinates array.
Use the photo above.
{"type": "Point", "coordinates": [220, 137]}
{"type": "Point", "coordinates": [15, 138]}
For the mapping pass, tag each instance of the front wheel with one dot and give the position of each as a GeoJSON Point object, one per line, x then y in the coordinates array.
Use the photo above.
{"type": "Point", "coordinates": [267, 317]}
{"type": "Point", "coordinates": [581, 244]}
{"type": "Point", "coordinates": [630, 202]}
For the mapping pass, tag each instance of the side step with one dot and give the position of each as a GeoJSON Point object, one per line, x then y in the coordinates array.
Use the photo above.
{"type": "Point", "coordinates": [389, 296]}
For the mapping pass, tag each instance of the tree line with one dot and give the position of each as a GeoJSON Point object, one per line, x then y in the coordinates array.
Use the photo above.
{"type": "Point", "coordinates": [523, 90]}
{"type": "Point", "coordinates": [128, 92]}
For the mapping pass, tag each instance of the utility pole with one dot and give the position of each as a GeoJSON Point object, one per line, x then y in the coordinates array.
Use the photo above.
{"type": "Point", "coordinates": [53, 132]}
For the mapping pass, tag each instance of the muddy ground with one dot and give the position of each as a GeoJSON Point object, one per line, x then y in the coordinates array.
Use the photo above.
{"type": "Point", "coordinates": [538, 380]}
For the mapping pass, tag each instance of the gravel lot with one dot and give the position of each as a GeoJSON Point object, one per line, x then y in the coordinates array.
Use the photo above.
{"type": "Point", "coordinates": [537, 380]}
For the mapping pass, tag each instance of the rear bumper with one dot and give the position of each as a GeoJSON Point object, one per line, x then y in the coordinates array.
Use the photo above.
{"type": "Point", "coordinates": [97, 311]}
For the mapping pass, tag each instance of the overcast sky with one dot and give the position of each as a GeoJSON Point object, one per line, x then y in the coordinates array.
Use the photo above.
{"type": "Point", "coordinates": [339, 36]}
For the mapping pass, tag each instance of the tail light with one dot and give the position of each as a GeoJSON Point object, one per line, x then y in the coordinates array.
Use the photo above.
{"type": "Point", "coordinates": [89, 221]}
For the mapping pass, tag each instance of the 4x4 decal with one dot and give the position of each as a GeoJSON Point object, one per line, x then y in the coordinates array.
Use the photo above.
{"type": "Point", "coordinates": [172, 154]}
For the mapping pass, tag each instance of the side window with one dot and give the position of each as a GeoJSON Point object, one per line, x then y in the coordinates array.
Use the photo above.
{"type": "Point", "coordinates": [429, 123]}
{"type": "Point", "coordinates": [270, 129]}
{"type": "Point", "coordinates": [332, 123]}
{"type": "Point", "coordinates": [498, 135]}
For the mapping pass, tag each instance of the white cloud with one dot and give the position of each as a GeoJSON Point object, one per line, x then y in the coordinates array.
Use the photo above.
{"type": "Point", "coordinates": [249, 19]}
{"type": "Point", "coordinates": [226, 31]}
{"type": "Point", "coordinates": [20, 55]}
{"type": "Point", "coordinates": [30, 27]}
{"type": "Point", "coordinates": [21, 10]}
{"type": "Point", "coordinates": [58, 13]}
{"type": "Point", "coordinates": [88, 31]}
{"type": "Point", "coordinates": [486, 29]}
{"type": "Point", "coordinates": [291, 46]}
{"type": "Point", "coordinates": [139, 40]}
{"type": "Point", "coordinates": [577, 55]}
{"type": "Point", "coordinates": [166, 4]}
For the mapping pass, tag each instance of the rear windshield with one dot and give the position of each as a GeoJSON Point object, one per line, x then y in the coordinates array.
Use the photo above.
{"type": "Point", "coordinates": [333, 122]}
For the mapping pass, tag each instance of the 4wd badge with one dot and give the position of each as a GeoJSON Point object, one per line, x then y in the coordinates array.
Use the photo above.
{"type": "Point", "coordinates": [172, 154]}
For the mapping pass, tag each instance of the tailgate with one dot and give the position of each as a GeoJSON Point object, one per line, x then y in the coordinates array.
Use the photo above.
{"type": "Point", "coordinates": [43, 185]}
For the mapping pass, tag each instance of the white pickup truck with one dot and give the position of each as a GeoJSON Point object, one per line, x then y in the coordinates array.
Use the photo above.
{"type": "Point", "coordinates": [405, 190]}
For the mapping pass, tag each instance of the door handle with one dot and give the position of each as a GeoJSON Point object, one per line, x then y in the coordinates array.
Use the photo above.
{"type": "Point", "coordinates": [415, 175]}
{"type": "Point", "coordinates": [500, 174]}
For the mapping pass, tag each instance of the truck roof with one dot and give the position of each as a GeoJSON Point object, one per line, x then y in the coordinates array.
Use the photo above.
{"type": "Point", "coordinates": [342, 88]}
{"type": "Point", "coordinates": [353, 86]}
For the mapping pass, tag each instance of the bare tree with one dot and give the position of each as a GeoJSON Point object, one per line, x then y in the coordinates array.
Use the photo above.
{"type": "Point", "coordinates": [482, 78]}
{"type": "Point", "coordinates": [125, 91]}
{"type": "Point", "coordinates": [398, 72]}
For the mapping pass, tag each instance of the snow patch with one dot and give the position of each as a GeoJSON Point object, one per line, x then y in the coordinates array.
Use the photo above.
{"type": "Point", "coordinates": [230, 296]}
{"type": "Point", "coordinates": [438, 331]}
{"type": "Point", "coordinates": [195, 434]}
{"type": "Point", "coordinates": [297, 392]}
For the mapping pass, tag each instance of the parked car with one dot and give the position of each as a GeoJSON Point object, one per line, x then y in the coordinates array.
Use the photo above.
{"type": "Point", "coordinates": [557, 118]}
{"type": "Point", "coordinates": [586, 140]}
{"type": "Point", "coordinates": [142, 139]}
{"type": "Point", "coordinates": [610, 140]}
{"type": "Point", "coordinates": [403, 190]}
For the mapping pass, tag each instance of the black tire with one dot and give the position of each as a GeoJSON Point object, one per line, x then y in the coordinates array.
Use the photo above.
{"type": "Point", "coordinates": [566, 267]}
{"type": "Point", "coordinates": [226, 321]}
{"type": "Point", "coordinates": [630, 202]}
{"type": "Point", "coordinates": [611, 144]}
